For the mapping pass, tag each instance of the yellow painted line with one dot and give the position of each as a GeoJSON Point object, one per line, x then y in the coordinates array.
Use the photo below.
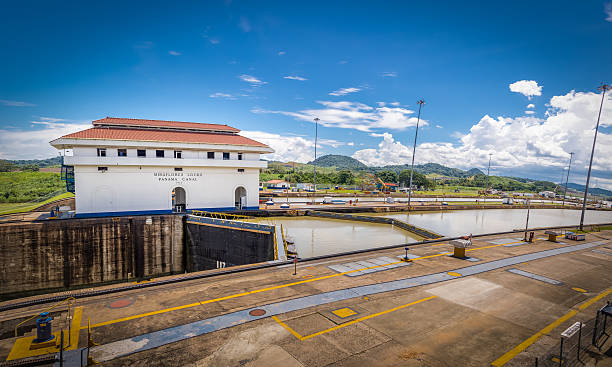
{"type": "Point", "coordinates": [532, 339]}
{"type": "Point", "coordinates": [579, 290]}
{"type": "Point", "coordinates": [366, 318]}
{"type": "Point", "coordinates": [295, 333]}
{"type": "Point", "coordinates": [152, 313]}
{"type": "Point", "coordinates": [455, 274]}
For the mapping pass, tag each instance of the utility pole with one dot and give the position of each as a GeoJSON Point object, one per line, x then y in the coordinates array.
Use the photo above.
{"type": "Point", "coordinates": [488, 171]}
{"type": "Point", "coordinates": [420, 102]}
{"type": "Point", "coordinates": [603, 88]}
{"type": "Point", "coordinates": [567, 178]}
{"type": "Point", "coordinates": [314, 175]}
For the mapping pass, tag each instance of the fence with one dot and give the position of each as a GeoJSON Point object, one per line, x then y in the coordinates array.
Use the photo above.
{"type": "Point", "coordinates": [579, 343]}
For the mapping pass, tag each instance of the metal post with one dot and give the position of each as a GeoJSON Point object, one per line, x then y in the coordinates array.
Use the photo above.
{"type": "Point", "coordinates": [406, 257]}
{"type": "Point", "coordinates": [603, 88]}
{"type": "Point", "coordinates": [420, 102]}
{"type": "Point", "coordinates": [295, 265]}
{"type": "Point", "coordinates": [527, 222]}
{"type": "Point", "coordinates": [579, 340]}
{"type": "Point", "coordinates": [314, 175]}
{"type": "Point", "coordinates": [567, 179]}
{"type": "Point", "coordinates": [536, 364]}
{"type": "Point", "coordinates": [561, 352]}
{"type": "Point", "coordinates": [488, 171]}
{"type": "Point", "coordinates": [61, 361]}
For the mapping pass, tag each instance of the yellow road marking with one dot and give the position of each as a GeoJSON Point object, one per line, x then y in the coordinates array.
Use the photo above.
{"type": "Point", "coordinates": [104, 323]}
{"type": "Point", "coordinates": [532, 339]}
{"type": "Point", "coordinates": [344, 312]}
{"type": "Point", "coordinates": [579, 290]}
{"type": "Point", "coordinates": [300, 337]}
{"type": "Point", "coordinates": [455, 274]}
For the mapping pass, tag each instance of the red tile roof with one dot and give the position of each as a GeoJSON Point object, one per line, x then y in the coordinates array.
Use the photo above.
{"type": "Point", "coordinates": [105, 133]}
{"type": "Point", "coordinates": [114, 121]}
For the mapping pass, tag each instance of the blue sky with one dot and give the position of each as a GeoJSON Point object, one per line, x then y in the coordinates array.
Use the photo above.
{"type": "Point", "coordinates": [269, 67]}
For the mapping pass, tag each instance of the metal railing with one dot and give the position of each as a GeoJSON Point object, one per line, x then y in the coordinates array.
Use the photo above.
{"type": "Point", "coordinates": [579, 346]}
{"type": "Point", "coordinates": [69, 300]}
{"type": "Point", "coordinates": [217, 215]}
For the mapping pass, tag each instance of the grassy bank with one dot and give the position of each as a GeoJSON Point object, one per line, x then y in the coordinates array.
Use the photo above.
{"type": "Point", "coordinates": [11, 208]}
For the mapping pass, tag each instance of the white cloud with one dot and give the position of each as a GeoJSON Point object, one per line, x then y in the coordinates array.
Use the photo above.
{"type": "Point", "coordinates": [295, 77]}
{"type": "Point", "coordinates": [354, 115]}
{"type": "Point", "coordinates": [350, 143]}
{"type": "Point", "coordinates": [527, 146]}
{"type": "Point", "coordinates": [531, 105]}
{"type": "Point", "coordinates": [529, 112]}
{"type": "Point", "coordinates": [342, 62]}
{"type": "Point", "coordinates": [174, 53]}
{"type": "Point", "coordinates": [244, 24]}
{"type": "Point", "coordinates": [439, 127]}
{"type": "Point", "coordinates": [281, 53]}
{"type": "Point", "coordinates": [389, 74]}
{"type": "Point", "coordinates": [255, 82]}
{"type": "Point", "coordinates": [34, 143]}
{"type": "Point", "coordinates": [290, 147]}
{"type": "Point", "coordinates": [344, 91]}
{"type": "Point", "coordinates": [528, 88]}
{"type": "Point", "coordinates": [222, 95]}
{"type": "Point", "coordinates": [396, 104]}
{"type": "Point", "coordinates": [388, 152]}
{"type": "Point", "coordinates": [608, 10]}
{"type": "Point", "coordinates": [16, 103]}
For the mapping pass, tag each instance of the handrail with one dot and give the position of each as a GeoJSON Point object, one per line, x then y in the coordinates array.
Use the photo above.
{"type": "Point", "coordinates": [217, 215]}
{"type": "Point", "coordinates": [45, 310]}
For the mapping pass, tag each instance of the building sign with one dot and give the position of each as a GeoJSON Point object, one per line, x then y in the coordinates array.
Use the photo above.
{"type": "Point", "coordinates": [177, 176]}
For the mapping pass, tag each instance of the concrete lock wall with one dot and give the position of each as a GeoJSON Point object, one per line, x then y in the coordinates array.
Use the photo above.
{"type": "Point", "coordinates": [214, 243]}
{"type": "Point", "coordinates": [76, 252]}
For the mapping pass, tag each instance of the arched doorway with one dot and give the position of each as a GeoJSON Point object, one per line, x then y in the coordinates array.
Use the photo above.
{"type": "Point", "coordinates": [240, 198]}
{"type": "Point", "coordinates": [179, 202]}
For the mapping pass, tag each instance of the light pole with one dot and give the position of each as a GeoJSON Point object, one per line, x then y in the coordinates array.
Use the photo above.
{"type": "Point", "coordinates": [420, 102]}
{"type": "Point", "coordinates": [314, 174]}
{"type": "Point", "coordinates": [567, 178]}
{"type": "Point", "coordinates": [603, 88]}
{"type": "Point", "coordinates": [488, 171]}
{"type": "Point", "coordinates": [527, 221]}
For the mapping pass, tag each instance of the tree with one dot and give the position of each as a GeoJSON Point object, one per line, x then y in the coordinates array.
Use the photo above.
{"type": "Point", "coordinates": [387, 176]}
{"type": "Point", "coordinates": [345, 177]}
{"type": "Point", "coordinates": [6, 166]}
{"type": "Point", "coordinates": [418, 179]}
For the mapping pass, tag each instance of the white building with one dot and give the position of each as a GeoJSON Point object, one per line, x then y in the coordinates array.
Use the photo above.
{"type": "Point", "coordinates": [132, 166]}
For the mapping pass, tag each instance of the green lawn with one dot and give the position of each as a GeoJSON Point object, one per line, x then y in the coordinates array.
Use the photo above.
{"type": "Point", "coordinates": [11, 208]}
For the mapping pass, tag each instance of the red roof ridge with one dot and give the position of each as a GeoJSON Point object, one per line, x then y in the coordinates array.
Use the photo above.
{"type": "Point", "coordinates": [163, 124]}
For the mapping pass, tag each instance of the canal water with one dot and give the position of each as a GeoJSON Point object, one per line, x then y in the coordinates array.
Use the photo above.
{"type": "Point", "coordinates": [319, 236]}
{"type": "Point", "coordinates": [462, 222]}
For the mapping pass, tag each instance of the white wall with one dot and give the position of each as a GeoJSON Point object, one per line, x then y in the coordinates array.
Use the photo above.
{"type": "Point", "coordinates": [130, 188]}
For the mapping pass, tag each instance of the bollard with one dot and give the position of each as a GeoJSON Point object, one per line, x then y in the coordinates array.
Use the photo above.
{"type": "Point", "coordinates": [295, 265]}
{"type": "Point", "coordinates": [43, 328]}
{"type": "Point", "coordinates": [561, 352]}
{"type": "Point", "coordinates": [579, 341]}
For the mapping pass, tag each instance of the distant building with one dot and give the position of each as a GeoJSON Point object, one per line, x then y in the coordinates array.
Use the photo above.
{"type": "Point", "coordinates": [277, 184]}
{"type": "Point", "coordinates": [547, 194]}
{"type": "Point", "coordinates": [131, 166]}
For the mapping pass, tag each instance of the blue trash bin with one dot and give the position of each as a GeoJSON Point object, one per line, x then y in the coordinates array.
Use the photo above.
{"type": "Point", "coordinates": [43, 328]}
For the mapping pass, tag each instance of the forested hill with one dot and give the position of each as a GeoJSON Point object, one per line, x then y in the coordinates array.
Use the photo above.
{"type": "Point", "coordinates": [339, 161]}
{"type": "Point", "coordinates": [430, 168]}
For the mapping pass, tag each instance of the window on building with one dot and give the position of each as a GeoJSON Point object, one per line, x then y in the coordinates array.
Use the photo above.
{"type": "Point", "coordinates": [178, 154]}
{"type": "Point", "coordinates": [239, 156]}
{"type": "Point", "coordinates": [225, 156]}
{"type": "Point", "coordinates": [159, 153]}
{"type": "Point", "coordinates": [211, 155]}
{"type": "Point", "coordinates": [240, 170]}
{"type": "Point", "coordinates": [178, 169]}
{"type": "Point", "coordinates": [101, 152]}
{"type": "Point", "coordinates": [122, 152]}
{"type": "Point", "coordinates": [102, 169]}
{"type": "Point", "coordinates": [141, 153]}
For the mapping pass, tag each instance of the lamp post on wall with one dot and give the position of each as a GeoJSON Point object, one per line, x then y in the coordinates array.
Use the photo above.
{"type": "Point", "coordinates": [603, 88]}
{"type": "Point", "coordinates": [420, 102]}
{"type": "Point", "coordinates": [567, 178]}
{"type": "Point", "coordinates": [314, 174]}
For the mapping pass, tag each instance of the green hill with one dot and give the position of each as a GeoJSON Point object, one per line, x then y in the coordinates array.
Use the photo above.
{"type": "Point", "coordinates": [340, 161]}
